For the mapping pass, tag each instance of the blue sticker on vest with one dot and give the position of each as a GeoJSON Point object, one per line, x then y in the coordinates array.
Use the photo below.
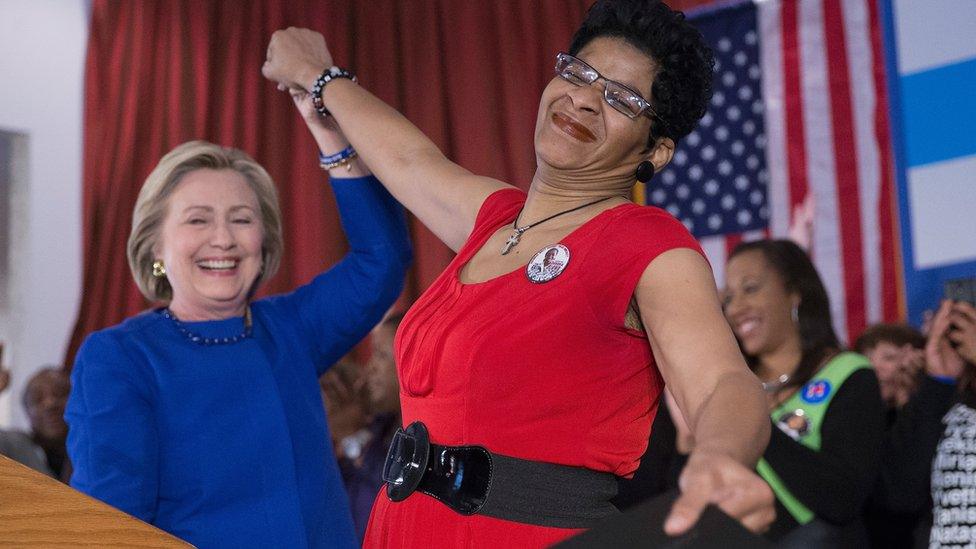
{"type": "Point", "coordinates": [816, 392]}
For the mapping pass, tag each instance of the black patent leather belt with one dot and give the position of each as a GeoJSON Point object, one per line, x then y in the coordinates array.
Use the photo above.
{"type": "Point", "coordinates": [470, 479]}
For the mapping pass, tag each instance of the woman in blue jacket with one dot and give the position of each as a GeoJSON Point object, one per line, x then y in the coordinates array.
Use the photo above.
{"type": "Point", "coordinates": [203, 416]}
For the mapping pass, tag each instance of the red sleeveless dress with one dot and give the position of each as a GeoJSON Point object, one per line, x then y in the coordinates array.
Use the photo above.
{"type": "Point", "coordinates": [546, 372]}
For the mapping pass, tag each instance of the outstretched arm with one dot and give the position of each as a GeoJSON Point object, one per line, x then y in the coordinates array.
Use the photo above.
{"type": "Point", "coordinates": [444, 196]}
{"type": "Point", "coordinates": [715, 391]}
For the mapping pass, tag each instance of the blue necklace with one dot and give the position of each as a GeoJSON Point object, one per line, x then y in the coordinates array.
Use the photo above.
{"type": "Point", "coordinates": [201, 340]}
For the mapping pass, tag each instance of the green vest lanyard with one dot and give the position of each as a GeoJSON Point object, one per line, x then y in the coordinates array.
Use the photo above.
{"type": "Point", "coordinates": [801, 416]}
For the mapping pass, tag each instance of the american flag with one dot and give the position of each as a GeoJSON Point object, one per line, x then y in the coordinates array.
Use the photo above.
{"type": "Point", "coordinates": [799, 113]}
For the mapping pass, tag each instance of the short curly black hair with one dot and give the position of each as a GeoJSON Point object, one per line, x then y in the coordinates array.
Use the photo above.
{"type": "Point", "coordinates": [683, 84]}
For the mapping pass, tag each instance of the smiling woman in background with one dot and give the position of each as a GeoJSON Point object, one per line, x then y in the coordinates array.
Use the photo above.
{"type": "Point", "coordinates": [203, 417]}
{"type": "Point", "coordinates": [823, 456]}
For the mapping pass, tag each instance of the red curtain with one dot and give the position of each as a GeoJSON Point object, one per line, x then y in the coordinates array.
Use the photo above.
{"type": "Point", "coordinates": [161, 72]}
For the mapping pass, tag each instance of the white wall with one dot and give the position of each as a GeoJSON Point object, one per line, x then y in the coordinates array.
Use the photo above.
{"type": "Point", "coordinates": [42, 53]}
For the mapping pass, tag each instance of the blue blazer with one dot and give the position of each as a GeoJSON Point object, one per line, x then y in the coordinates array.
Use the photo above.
{"type": "Point", "coordinates": [227, 445]}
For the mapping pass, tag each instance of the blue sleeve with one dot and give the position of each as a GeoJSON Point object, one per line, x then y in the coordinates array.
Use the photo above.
{"type": "Point", "coordinates": [340, 306]}
{"type": "Point", "coordinates": [112, 439]}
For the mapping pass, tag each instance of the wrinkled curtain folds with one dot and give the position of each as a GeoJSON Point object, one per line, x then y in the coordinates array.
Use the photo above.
{"type": "Point", "coordinates": [163, 72]}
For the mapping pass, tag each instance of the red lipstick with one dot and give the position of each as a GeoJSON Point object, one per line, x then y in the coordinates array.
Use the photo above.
{"type": "Point", "coordinates": [573, 128]}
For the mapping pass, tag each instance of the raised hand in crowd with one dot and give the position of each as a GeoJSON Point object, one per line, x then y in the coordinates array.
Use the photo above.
{"type": "Point", "coordinates": [801, 226]}
{"type": "Point", "coordinates": [941, 359]}
{"type": "Point", "coordinates": [963, 331]}
{"type": "Point", "coordinates": [910, 363]}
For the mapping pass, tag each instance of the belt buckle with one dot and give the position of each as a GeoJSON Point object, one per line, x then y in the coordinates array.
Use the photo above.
{"type": "Point", "coordinates": [460, 477]}
{"type": "Point", "coordinates": [406, 461]}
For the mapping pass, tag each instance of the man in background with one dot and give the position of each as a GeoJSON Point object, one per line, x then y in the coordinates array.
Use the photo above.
{"type": "Point", "coordinates": [43, 449]}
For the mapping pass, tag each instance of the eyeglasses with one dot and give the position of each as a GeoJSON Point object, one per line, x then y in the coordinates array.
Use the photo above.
{"type": "Point", "coordinates": [617, 95]}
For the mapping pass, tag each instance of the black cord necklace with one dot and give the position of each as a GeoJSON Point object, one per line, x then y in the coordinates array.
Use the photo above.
{"type": "Point", "coordinates": [517, 235]}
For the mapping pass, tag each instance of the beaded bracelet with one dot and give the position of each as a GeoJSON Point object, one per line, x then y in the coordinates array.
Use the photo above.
{"type": "Point", "coordinates": [341, 158]}
{"type": "Point", "coordinates": [327, 76]}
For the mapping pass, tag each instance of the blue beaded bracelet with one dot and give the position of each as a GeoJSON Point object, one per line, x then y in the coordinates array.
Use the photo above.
{"type": "Point", "coordinates": [341, 158]}
{"type": "Point", "coordinates": [348, 152]}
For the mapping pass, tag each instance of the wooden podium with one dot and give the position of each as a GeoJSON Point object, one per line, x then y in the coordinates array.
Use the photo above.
{"type": "Point", "coordinates": [38, 511]}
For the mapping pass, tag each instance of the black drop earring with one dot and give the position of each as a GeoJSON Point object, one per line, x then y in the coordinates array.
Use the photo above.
{"type": "Point", "coordinates": [645, 171]}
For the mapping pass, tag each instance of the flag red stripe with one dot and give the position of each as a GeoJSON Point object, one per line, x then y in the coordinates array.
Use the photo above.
{"type": "Point", "coordinates": [731, 241]}
{"type": "Point", "coordinates": [892, 307]}
{"type": "Point", "coordinates": [796, 156]}
{"type": "Point", "coordinates": [846, 168]}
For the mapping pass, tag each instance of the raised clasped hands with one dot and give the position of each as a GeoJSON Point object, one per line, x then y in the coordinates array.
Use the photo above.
{"type": "Point", "coordinates": [296, 57]}
{"type": "Point", "coordinates": [718, 479]}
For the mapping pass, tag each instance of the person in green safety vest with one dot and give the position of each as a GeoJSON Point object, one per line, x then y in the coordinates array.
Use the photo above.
{"type": "Point", "coordinates": [825, 403]}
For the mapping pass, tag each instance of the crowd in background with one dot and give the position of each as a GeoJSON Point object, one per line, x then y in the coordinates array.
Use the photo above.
{"type": "Point", "coordinates": [892, 455]}
{"type": "Point", "coordinates": [900, 452]}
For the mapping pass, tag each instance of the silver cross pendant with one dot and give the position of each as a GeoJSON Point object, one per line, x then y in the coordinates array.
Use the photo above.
{"type": "Point", "coordinates": [512, 242]}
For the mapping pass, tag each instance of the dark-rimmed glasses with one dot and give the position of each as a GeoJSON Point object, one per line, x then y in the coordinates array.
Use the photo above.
{"type": "Point", "coordinates": [620, 97]}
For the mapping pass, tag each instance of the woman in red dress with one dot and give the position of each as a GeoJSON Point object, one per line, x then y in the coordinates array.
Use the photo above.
{"type": "Point", "coordinates": [528, 385]}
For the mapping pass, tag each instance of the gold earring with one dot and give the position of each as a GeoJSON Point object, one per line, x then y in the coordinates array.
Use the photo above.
{"type": "Point", "coordinates": [158, 269]}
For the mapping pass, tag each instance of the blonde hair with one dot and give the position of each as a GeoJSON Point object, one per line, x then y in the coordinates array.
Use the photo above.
{"type": "Point", "coordinates": [150, 210]}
